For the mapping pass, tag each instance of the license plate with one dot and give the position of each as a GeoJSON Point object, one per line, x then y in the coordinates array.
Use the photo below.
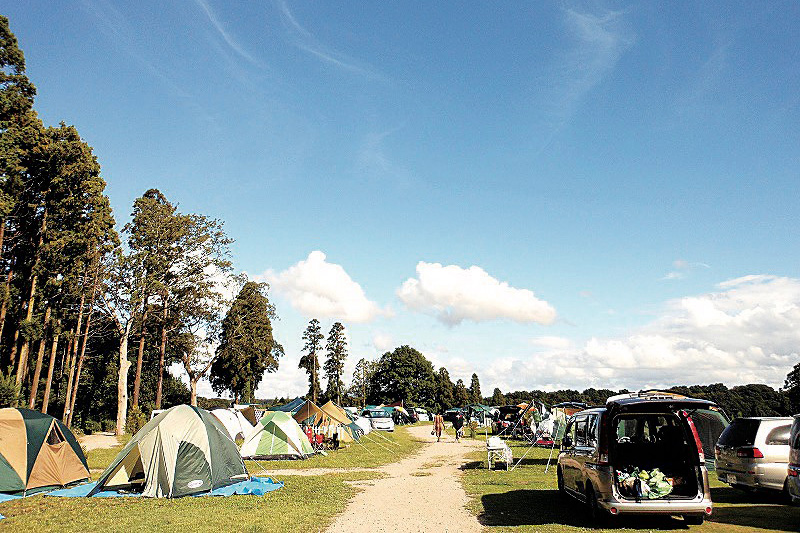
{"type": "Point", "coordinates": [731, 479]}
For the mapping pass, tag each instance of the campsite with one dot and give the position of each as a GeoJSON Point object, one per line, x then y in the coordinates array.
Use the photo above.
{"type": "Point", "coordinates": [369, 266]}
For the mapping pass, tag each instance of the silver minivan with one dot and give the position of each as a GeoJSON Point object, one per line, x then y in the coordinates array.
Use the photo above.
{"type": "Point", "coordinates": [609, 455]}
{"type": "Point", "coordinates": [753, 453]}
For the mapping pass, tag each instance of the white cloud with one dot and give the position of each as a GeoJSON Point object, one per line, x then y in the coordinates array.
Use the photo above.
{"type": "Point", "coordinates": [288, 382]}
{"type": "Point", "coordinates": [558, 343]}
{"type": "Point", "coordinates": [454, 294]}
{"type": "Point", "coordinates": [319, 289]}
{"type": "Point", "coordinates": [382, 342]}
{"type": "Point", "coordinates": [747, 332]}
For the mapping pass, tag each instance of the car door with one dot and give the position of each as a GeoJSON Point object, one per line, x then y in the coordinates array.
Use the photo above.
{"type": "Point", "coordinates": [582, 452]}
{"type": "Point", "coordinates": [569, 466]}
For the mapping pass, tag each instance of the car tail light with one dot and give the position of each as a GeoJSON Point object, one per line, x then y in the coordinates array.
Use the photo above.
{"type": "Point", "coordinates": [753, 453]}
{"type": "Point", "coordinates": [701, 454]}
{"type": "Point", "coordinates": [614, 510]}
{"type": "Point", "coordinates": [794, 470]}
{"type": "Point", "coordinates": [708, 511]}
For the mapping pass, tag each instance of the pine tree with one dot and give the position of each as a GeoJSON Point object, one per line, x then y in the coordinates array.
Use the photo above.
{"type": "Point", "coordinates": [460, 394]}
{"type": "Point", "coordinates": [334, 364]}
{"type": "Point", "coordinates": [475, 390]}
{"type": "Point", "coordinates": [310, 361]}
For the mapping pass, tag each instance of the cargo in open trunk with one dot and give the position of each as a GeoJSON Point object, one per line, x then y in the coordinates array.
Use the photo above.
{"type": "Point", "coordinates": [654, 445]}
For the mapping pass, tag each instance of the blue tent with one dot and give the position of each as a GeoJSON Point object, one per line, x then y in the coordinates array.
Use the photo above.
{"type": "Point", "coordinates": [291, 407]}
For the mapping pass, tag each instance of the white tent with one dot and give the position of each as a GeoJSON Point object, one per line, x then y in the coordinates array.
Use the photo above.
{"type": "Point", "coordinates": [234, 421]}
{"type": "Point", "coordinates": [276, 436]}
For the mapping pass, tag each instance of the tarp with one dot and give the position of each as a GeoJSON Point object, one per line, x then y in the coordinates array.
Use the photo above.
{"type": "Point", "coordinates": [37, 452]}
{"type": "Point", "coordinates": [257, 486]}
{"type": "Point", "coordinates": [309, 413]}
{"type": "Point", "coordinates": [276, 436]}
{"type": "Point", "coordinates": [290, 407]}
{"type": "Point", "coordinates": [183, 451]}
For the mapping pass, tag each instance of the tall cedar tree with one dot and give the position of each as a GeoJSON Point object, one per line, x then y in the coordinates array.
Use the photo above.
{"type": "Point", "coordinates": [475, 390]}
{"type": "Point", "coordinates": [362, 375]}
{"type": "Point", "coordinates": [334, 364]}
{"type": "Point", "coordinates": [497, 397]}
{"type": "Point", "coordinates": [444, 391]}
{"type": "Point", "coordinates": [154, 237]}
{"type": "Point", "coordinates": [247, 348]}
{"type": "Point", "coordinates": [460, 394]}
{"type": "Point", "coordinates": [310, 361]}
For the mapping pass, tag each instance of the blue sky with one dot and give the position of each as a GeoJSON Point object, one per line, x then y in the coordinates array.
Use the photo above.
{"type": "Point", "coordinates": [565, 194]}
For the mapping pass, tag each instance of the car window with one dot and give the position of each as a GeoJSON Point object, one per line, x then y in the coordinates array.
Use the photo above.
{"type": "Point", "coordinates": [778, 436]}
{"type": "Point", "coordinates": [741, 432]}
{"type": "Point", "coordinates": [571, 432]}
{"type": "Point", "coordinates": [644, 428]}
{"type": "Point", "coordinates": [580, 431]}
{"type": "Point", "coordinates": [591, 430]}
{"type": "Point", "coordinates": [795, 443]}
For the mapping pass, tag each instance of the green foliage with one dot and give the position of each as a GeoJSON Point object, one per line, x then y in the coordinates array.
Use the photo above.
{"type": "Point", "coordinates": [444, 399]}
{"type": "Point", "coordinates": [362, 376]}
{"type": "Point", "coordinates": [247, 348]}
{"type": "Point", "coordinates": [334, 364]}
{"type": "Point", "coordinates": [404, 374]}
{"type": "Point", "coordinates": [310, 360]}
{"type": "Point", "coordinates": [497, 397]}
{"type": "Point", "coordinates": [136, 419]}
{"type": "Point", "coordinates": [10, 392]}
{"type": "Point", "coordinates": [474, 390]}
{"type": "Point", "coordinates": [461, 396]}
{"type": "Point", "coordinates": [92, 426]}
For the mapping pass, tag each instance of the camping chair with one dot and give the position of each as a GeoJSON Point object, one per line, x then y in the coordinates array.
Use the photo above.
{"type": "Point", "coordinates": [498, 451]}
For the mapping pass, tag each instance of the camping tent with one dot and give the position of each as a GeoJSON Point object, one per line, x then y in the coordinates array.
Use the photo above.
{"type": "Point", "coordinates": [337, 418]}
{"type": "Point", "coordinates": [309, 413]}
{"type": "Point", "coordinates": [290, 407]}
{"type": "Point", "coordinates": [234, 421]}
{"type": "Point", "coordinates": [276, 436]}
{"type": "Point", "coordinates": [184, 450]}
{"type": "Point", "coordinates": [36, 452]}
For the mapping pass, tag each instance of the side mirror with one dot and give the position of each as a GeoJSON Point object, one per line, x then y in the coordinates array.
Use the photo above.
{"type": "Point", "coordinates": [566, 442]}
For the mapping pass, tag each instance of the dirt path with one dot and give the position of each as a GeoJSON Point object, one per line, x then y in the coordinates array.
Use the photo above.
{"type": "Point", "coordinates": [419, 493]}
{"type": "Point", "coordinates": [96, 441]}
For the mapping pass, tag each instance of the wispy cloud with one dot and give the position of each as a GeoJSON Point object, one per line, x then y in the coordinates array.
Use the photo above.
{"type": "Point", "coordinates": [226, 36]}
{"type": "Point", "coordinates": [682, 268]}
{"type": "Point", "coordinates": [694, 100]}
{"type": "Point", "coordinates": [306, 41]}
{"type": "Point", "coordinates": [598, 41]}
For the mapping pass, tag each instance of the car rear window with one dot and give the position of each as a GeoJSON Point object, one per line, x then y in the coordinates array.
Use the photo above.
{"type": "Point", "coordinates": [779, 436]}
{"type": "Point", "coordinates": [741, 432]}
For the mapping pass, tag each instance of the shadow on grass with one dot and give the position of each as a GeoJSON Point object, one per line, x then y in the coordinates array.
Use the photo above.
{"type": "Point", "coordinates": [542, 507]}
{"type": "Point", "coordinates": [475, 465]}
{"type": "Point", "coordinates": [757, 509]}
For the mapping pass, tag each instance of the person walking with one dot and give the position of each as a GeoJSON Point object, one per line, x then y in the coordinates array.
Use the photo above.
{"type": "Point", "coordinates": [458, 425]}
{"type": "Point", "coordinates": [438, 426]}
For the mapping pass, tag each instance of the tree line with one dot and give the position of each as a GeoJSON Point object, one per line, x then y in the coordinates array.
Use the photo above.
{"type": "Point", "coordinates": [91, 318]}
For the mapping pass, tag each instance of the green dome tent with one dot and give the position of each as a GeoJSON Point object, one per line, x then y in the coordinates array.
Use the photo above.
{"type": "Point", "coordinates": [276, 436]}
{"type": "Point", "coordinates": [182, 451]}
{"type": "Point", "coordinates": [37, 452]}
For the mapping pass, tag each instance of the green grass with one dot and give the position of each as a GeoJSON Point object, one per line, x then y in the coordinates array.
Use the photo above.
{"type": "Point", "coordinates": [527, 499]}
{"type": "Point", "coordinates": [305, 503]}
{"type": "Point", "coordinates": [99, 459]}
{"type": "Point", "coordinates": [375, 449]}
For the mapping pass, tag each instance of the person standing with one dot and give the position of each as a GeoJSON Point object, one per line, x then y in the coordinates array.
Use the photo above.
{"type": "Point", "coordinates": [458, 425]}
{"type": "Point", "coordinates": [438, 426]}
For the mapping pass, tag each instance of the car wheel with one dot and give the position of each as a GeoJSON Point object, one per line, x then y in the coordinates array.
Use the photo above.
{"type": "Point", "coordinates": [694, 519]}
{"type": "Point", "coordinates": [560, 482]}
{"type": "Point", "coordinates": [596, 513]}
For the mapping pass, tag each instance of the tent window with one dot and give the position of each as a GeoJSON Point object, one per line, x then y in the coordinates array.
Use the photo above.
{"type": "Point", "coordinates": [55, 436]}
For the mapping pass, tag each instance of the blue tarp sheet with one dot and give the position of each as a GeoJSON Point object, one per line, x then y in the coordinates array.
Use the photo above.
{"type": "Point", "coordinates": [257, 486]}
{"type": "Point", "coordinates": [290, 407]}
{"type": "Point", "coordinates": [8, 497]}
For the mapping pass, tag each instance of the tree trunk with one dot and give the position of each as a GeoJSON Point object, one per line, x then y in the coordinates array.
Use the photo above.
{"type": "Point", "coordinates": [22, 363]}
{"type": "Point", "coordinates": [6, 297]}
{"type": "Point", "coordinates": [83, 350]}
{"type": "Point", "coordinates": [50, 369]}
{"type": "Point", "coordinates": [193, 384]}
{"type": "Point", "coordinates": [122, 380]}
{"type": "Point", "coordinates": [39, 359]}
{"type": "Point", "coordinates": [138, 379]}
{"type": "Point", "coordinates": [71, 358]}
{"type": "Point", "coordinates": [23, 351]}
{"type": "Point", "coordinates": [162, 351]}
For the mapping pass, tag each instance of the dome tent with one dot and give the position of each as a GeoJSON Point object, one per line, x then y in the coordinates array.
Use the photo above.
{"type": "Point", "coordinates": [234, 421]}
{"type": "Point", "coordinates": [182, 451]}
{"type": "Point", "coordinates": [37, 452]}
{"type": "Point", "coordinates": [276, 436]}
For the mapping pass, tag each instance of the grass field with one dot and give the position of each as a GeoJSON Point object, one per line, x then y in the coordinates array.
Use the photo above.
{"type": "Point", "coordinates": [527, 499]}
{"type": "Point", "coordinates": [305, 503]}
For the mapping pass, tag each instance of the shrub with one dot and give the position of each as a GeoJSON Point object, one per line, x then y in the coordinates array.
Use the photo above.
{"type": "Point", "coordinates": [136, 419]}
{"type": "Point", "coordinates": [109, 425]}
{"type": "Point", "coordinates": [92, 426]}
{"type": "Point", "coordinates": [10, 392]}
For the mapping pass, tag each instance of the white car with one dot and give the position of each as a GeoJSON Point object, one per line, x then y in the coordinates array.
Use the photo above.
{"type": "Point", "coordinates": [379, 419]}
{"type": "Point", "coordinates": [422, 414]}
